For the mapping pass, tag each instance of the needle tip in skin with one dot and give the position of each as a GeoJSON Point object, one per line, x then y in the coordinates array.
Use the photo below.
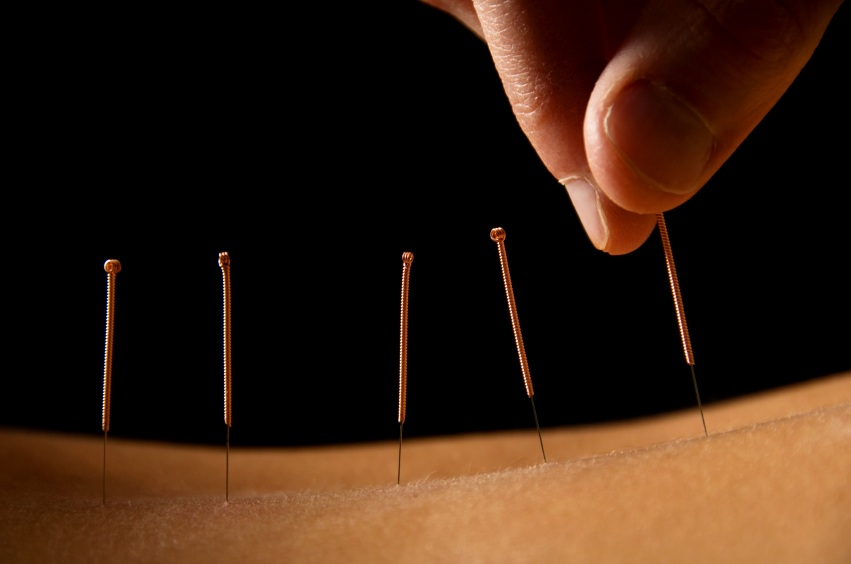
{"type": "Point", "coordinates": [104, 467]}
{"type": "Point", "coordinates": [535, 413]}
{"type": "Point", "coordinates": [227, 466]}
{"type": "Point", "coordinates": [399, 471]}
{"type": "Point", "coordinates": [699, 405]}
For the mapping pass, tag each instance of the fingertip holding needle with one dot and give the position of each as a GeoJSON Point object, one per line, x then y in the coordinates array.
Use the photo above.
{"type": "Point", "coordinates": [678, 305]}
{"type": "Point", "coordinates": [498, 236]}
{"type": "Point", "coordinates": [111, 267]}
{"type": "Point", "coordinates": [224, 263]}
{"type": "Point", "coordinates": [407, 261]}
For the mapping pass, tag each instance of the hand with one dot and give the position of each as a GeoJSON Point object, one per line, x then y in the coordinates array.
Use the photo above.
{"type": "Point", "coordinates": [632, 105]}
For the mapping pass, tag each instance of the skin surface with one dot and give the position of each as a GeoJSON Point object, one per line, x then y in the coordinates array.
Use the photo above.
{"type": "Point", "coordinates": [772, 483]}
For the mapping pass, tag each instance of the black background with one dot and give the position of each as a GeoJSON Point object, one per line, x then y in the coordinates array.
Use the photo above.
{"type": "Point", "coordinates": [316, 148]}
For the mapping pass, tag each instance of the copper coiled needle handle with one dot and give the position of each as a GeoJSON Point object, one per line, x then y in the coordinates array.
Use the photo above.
{"type": "Point", "coordinates": [224, 263]}
{"type": "Point", "coordinates": [675, 288]}
{"type": "Point", "coordinates": [498, 236]}
{"type": "Point", "coordinates": [407, 260]}
{"type": "Point", "coordinates": [112, 267]}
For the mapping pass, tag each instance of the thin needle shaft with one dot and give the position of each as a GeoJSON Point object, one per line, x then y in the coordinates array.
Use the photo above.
{"type": "Point", "coordinates": [227, 466]}
{"type": "Point", "coordinates": [696, 393]}
{"type": "Point", "coordinates": [535, 413]}
{"type": "Point", "coordinates": [104, 467]}
{"type": "Point", "coordinates": [678, 305]}
{"type": "Point", "coordinates": [399, 471]}
{"type": "Point", "coordinates": [498, 236]}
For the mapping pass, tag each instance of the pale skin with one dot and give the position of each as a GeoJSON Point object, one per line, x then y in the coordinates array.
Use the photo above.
{"type": "Point", "coordinates": [772, 483]}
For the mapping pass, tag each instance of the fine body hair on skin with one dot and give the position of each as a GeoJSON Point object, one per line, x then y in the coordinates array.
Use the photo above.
{"type": "Point", "coordinates": [774, 491]}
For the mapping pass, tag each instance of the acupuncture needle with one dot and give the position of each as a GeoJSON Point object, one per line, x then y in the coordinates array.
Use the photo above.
{"type": "Point", "coordinates": [678, 305]}
{"type": "Point", "coordinates": [111, 267]}
{"type": "Point", "coordinates": [224, 263]}
{"type": "Point", "coordinates": [498, 236]}
{"type": "Point", "coordinates": [407, 260]}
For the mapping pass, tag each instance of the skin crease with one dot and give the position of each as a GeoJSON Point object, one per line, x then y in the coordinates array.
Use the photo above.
{"type": "Point", "coordinates": [563, 65]}
{"type": "Point", "coordinates": [772, 483]}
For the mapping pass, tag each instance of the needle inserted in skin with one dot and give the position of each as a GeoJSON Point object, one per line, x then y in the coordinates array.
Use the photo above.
{"type": "Point", "coordinates": [678, 305]}
{"type": "Point", "coordinates": [407, 260]}
{"type": "Point", "coordinates": [399, 469]}
{"type": "Point", "coordinates": [112, 267]}
{"type": "Point", "coordinates": [227, 463]}
{"type": "Point", "coordinates": [104, 467]}
{"type": "Point", "coordinates": [498, 236]}
{"type": "Point", "coordinates": [224, 263]}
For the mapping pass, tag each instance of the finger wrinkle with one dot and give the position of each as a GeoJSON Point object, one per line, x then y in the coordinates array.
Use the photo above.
{"type": "Point", "coordinates": [766, 29]}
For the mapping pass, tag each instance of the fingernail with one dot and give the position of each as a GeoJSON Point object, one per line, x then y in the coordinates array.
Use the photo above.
{"type": "Point", "coordinates": [586, 201]}
{"type": "Point", "coordinates": [659, 136]}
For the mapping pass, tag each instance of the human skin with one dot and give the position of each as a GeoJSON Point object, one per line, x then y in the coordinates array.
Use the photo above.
{"type": "Point", "coordinates": [634, 105]}
{"type": "Point", "coordinates": [772, 483]}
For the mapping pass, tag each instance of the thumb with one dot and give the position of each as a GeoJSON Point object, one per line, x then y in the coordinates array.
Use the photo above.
{"type": "Point", "coordinates": [549, 54]}
{"type": "Point", "coordinates": [686, 86]}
